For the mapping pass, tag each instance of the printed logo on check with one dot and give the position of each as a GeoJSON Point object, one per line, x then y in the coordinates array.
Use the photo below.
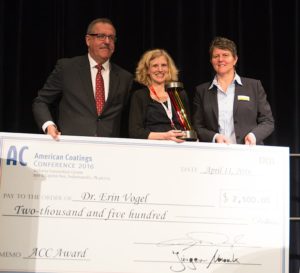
{"type": "Point", "coordinates": [245, 98]}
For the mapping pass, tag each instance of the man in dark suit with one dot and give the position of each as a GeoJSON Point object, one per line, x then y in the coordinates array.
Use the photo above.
{"type": "Point", "coordinates": [231, 109]}
{"type": "Point", "coordinates": [72, 85]}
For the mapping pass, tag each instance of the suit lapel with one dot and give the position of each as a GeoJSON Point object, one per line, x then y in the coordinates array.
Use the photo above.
{"type": "Point", "coordinates": [113, 85]}
{"type": "Point", "coordinates": [213, 99]}
{"type": "Point", "coordinates": [238, 90]}
{"type": "Point", "coordinates": [85, 76]}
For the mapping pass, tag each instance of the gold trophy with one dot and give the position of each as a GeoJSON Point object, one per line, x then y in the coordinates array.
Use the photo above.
{"type": "Point", "coordinates": [173, 89]}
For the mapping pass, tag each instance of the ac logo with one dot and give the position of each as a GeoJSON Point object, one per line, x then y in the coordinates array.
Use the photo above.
{"type": "Point", "coordinates": [13, 156]}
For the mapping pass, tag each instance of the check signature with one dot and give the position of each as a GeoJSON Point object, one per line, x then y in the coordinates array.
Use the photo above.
{"type": "Point", "coordinates": [191, 263]}
{"type": "Point", "coordinates": [183, 249]}
{"type": "Point", "coordinates": [194, 239]}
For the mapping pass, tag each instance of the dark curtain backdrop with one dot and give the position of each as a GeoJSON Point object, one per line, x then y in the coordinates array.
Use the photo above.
{"type": "Point", "coordinates": [34, 34]}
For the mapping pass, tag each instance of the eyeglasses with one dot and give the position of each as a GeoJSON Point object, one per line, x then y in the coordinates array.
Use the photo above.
{"type": "Point", "coordinates": [102, 37]}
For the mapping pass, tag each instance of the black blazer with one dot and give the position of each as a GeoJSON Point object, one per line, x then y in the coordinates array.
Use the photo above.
{"type": "Point", "coordinates": [71, 86]}
{"type": "Point", "coordinates": [140, 102]}
{"type": "Point", "coordinates": [252, 114]}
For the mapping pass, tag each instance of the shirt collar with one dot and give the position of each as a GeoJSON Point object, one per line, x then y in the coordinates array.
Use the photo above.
{"type": "Point", "coordinates": [93, 63]}
{"type": "Point", "coordinates": [236, 79]}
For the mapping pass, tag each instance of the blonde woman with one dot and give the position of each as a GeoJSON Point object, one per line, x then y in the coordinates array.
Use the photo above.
{"type": "Point", "coordinates": [152, 115]}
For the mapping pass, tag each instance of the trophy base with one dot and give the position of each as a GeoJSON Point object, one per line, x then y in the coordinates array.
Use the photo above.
{"type": "Point", "coordinates": [189, 136]}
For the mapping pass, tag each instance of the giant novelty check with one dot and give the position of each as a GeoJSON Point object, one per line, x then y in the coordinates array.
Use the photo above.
{"type": "Point", "coordinates": [135, 206]}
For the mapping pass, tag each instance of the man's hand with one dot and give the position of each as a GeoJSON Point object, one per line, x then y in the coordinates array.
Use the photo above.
{"type": "Point", "coordinates": [52, 131]}
{"type": "Point", "coordinates": [250, 139]}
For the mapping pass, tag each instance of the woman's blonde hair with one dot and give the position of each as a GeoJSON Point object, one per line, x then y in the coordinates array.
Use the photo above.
{"type": "Point", "coordinates": [141, 72]}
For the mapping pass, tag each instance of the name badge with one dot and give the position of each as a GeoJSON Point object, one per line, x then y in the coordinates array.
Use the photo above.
{"type": "Point", "coordinates": [245, 98]}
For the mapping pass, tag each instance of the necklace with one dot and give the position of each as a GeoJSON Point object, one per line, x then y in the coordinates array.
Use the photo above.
{"type": "Point", "coordinates": [168, 107]}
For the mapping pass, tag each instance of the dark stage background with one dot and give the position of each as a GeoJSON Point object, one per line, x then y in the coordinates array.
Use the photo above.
{"type": "Point", "coordinates": [34, 34]}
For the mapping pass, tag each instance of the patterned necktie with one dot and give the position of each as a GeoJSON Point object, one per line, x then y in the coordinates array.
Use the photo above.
{"type": "Point", "coordinates": [99, 94]}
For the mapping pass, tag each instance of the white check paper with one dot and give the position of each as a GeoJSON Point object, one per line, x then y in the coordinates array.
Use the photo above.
{"type": "Point", "coordinates": [133, 206]}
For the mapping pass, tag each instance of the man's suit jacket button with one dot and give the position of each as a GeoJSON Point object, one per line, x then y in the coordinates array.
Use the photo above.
{"type": "Point", "coordinates": [98, 119]}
